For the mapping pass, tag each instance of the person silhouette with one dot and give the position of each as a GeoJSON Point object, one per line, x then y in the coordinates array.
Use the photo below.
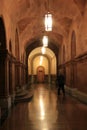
{"type": "Point", "coordinates": [61, 83]}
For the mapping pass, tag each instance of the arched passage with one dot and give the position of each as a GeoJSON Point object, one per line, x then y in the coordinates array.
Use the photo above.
{"type": "Point", "coordinates": [48, 61]}
{"type": "Point", "coordinates": [2, 35]}
{"type": "Point", "coordinates": [37, 43]}
{"type": "Point", "coordinates": [3, 53]}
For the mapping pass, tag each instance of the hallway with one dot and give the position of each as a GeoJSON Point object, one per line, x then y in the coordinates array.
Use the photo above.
{"type": "Point", "coordinates": [46, 111]}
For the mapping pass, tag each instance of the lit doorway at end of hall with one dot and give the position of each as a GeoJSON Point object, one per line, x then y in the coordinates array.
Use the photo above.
{"type": "Point", "coordinates": [40, 74]}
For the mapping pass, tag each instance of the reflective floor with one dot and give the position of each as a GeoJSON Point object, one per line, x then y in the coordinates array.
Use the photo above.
{"type": "Point", "coordinates": [47, 111]}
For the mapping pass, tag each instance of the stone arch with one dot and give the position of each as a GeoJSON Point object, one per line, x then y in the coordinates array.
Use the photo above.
{"type": "Point", "coordinates": [3, 53]}
{"type": "Point", "coordinates": [2, 35]}
{"type": "Point", "coordinates": [43, 56]}
{"type": "Point", "coordinates": [39, 54]}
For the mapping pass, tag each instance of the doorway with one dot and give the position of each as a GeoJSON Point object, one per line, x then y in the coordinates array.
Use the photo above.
{"type": "Point", "coordinates": [40, 74]}
{"type": "Point", "coordinates": [2, 57]}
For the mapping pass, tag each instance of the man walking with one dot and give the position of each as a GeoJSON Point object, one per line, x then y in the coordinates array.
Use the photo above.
{"type": "Point", "coordinates": [61, 82]}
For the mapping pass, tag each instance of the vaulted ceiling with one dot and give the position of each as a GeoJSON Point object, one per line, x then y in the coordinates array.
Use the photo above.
{"type": "Point", "coordinates": [29, 17]}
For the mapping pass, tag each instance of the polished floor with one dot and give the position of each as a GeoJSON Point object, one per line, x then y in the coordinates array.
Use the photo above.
{"type": "Point", "coordinates": [47, 111]}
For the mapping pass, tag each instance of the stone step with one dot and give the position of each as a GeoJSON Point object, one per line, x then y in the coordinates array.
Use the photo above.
{"type": "Point", "coordinates": [24, 97]}
{"type": "Point", "coordinates": [22, 93]}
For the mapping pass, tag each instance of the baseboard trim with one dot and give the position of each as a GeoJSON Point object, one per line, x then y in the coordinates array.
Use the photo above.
{"type": "Point", "coordinates": [76, 94]}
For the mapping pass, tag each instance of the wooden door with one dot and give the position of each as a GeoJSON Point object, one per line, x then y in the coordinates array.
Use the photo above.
{"type": "Point", "coordinates": [40, 74]}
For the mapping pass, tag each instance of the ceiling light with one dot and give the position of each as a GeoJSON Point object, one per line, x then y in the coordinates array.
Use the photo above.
{"type": "Point", "coordinates": [48, 22]}
{"type": "Point", "coordinates": [45, 41]}
{"type": "Point", "coordinates": [43, 49]}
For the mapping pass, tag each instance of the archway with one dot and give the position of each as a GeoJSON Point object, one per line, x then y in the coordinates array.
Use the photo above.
{"type": "Point", "coordinates": [47, 60]}
{"type": "Point", "coordinates": [2, 57]}
{"type": "Point", "coordinates": [35, 43]}
{"type": "Point", "coordinates": [2, 35]}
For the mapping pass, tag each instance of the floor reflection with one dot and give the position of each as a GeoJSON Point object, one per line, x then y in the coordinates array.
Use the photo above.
{"type": "Point", "coordinates": [43, 108]}
{"type": "Point", "coordinates": [47, 111]}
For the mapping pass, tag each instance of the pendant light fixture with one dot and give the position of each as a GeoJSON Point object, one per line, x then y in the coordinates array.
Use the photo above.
{"type": "Point", "coordinates": [48, 19]}
{"type": "Point", "coordinates": [48, 25]}
{"type": "Point", "coordinates": [43, 50]}
{"type": "Point", "coordinates": [48, 22]}
{"type": "Point", "coordinates": [45, 41]}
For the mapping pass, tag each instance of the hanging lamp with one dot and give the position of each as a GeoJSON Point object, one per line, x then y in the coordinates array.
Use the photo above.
{"type": "Point", "coordinates": [45, 41]}
{"type": "Point", "coordinates": [48, 22]}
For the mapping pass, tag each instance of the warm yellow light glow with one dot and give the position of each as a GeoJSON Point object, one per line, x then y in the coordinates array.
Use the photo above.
{"type": "Point", "coordinates": [43, 50]}
{"type": "Point", "coordinates": [48, 22]}
{"type": "Point", "coordinates": [41, 60]}
{"type": "Point", "coordinates": [45, 41]}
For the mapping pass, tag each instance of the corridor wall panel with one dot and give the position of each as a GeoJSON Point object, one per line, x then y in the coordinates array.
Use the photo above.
{"type": "Point", "coordinates": [68, 75]}
{"type": "Point", "coordinates": [82, 75]}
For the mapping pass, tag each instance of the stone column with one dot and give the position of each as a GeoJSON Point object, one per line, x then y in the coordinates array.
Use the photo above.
{"type": "Point", "coordinates": [17, 75]}
{"type": "Point", "coordinates": [5, 99]}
